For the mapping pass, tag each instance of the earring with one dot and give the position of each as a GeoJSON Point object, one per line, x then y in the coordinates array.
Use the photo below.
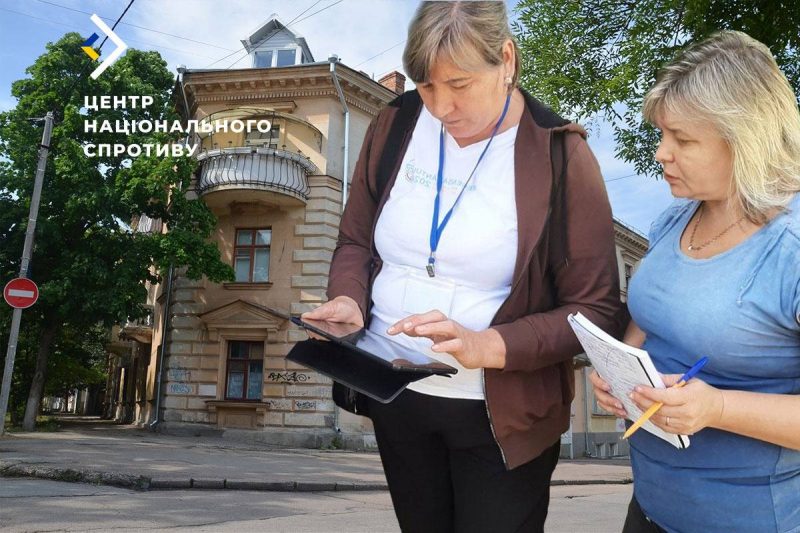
{"type": "Point", "coordinates": [508, 80]}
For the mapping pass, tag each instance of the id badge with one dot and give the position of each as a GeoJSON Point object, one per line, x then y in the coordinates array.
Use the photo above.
{"type": "Point", "coordinates": [423, 294]}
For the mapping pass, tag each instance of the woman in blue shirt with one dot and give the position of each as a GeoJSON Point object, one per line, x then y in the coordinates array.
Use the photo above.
{"type": "Point", "coordinates": [721, 279]}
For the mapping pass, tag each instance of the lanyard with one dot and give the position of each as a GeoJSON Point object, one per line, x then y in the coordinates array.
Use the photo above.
{"type": "Point", "coordinates": [436, 227]}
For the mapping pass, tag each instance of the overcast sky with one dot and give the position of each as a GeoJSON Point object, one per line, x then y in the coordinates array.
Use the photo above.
{"type": "Point", "coordinates": [367, 35]}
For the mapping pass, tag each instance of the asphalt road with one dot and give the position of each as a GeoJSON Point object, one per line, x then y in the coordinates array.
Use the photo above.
{"type": "Point", "coordinates": [28, 505]}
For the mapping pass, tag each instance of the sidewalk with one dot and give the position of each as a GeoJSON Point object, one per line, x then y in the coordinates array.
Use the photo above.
{"type": "Point", "coordinates": [96, 451]}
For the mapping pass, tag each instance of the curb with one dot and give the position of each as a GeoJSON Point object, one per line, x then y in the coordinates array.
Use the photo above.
{"type": "Point", "coordinates": [144, 483]}
{"type": "Point", "coordinates": [126, 481]}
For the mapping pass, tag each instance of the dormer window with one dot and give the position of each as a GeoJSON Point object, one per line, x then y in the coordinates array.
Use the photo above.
{"type": "Point", "coordinates": [263, 59]}
{"type": "Point", "coordinates": [285, 58]}
{"type": "Point", "coordinates": [274, 45]}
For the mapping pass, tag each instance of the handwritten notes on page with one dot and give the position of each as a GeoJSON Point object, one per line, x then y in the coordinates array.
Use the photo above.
{"type": "Point", "coordinates": [623, 367]}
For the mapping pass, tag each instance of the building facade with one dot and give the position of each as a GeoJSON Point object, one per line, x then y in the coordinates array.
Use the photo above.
{"type": "Point", "coordinates": [593, 432]}
{"type": "Point", "coordinates": [211, 358]}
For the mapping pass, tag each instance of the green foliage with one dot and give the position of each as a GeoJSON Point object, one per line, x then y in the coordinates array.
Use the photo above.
{"type": "Point", "coordinates": [596, 59]}
{"type": "Point", "coordinates": [78, 360]}
{"type": "Point", "coordinates": [46, 424]}
{"type": "Point", "coordinates": [90, 266]}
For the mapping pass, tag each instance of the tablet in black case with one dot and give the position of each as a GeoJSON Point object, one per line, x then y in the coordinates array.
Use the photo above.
{"type": "Point", "coordinates": [369, 363]}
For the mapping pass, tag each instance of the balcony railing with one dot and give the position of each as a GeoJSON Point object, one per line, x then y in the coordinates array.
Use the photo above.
{"type": "Point", "coordinates": [138, 329]}
{"type": "Point", "coordinates": [255, 168]}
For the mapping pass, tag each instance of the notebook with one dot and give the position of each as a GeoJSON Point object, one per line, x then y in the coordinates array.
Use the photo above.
{"type": "Point", "coordinates": [623, 367]}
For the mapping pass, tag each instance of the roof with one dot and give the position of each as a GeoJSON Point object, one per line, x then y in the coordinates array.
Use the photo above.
{"type": "Point", "coordinates": [269, 28]}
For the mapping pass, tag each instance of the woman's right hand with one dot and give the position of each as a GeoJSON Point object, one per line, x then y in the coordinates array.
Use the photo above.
{"type": "Point", "coordinates": [341, 309]}
{"type": "Point", "coordinates": [602, 392]}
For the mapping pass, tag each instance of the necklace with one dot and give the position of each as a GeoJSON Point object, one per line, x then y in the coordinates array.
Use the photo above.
{"type": "Point", "coordinates": [696, 248]}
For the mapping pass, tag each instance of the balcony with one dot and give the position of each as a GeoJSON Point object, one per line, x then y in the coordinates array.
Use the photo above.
{"type": "Point", "coordinates": [138, 329]}
{"type": "Point", "coordinates": [245, 169]}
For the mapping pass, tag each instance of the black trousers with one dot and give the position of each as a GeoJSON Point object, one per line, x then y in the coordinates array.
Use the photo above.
{"type": "Point", "coordinates": [446, 473]}
{"type": "Point", "coordinates": [637, 522]}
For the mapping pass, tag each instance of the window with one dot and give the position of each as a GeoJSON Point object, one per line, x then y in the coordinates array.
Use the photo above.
{"type": "Point", "coordinates": [628, 273]}
{"type": "Point", "coordinates": [263, 59]}
{"type": "Point", "coordinates": [251, 255]}
{"type": "Point", "coordinates": [285, 58]}
{"type": "Point", "coordinates": [245, 370]}
{"type": "Point", "coordinates": [268, 139]}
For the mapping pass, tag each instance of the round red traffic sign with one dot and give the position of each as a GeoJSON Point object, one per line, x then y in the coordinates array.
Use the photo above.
{"type": "Point", "coordinates": [21, 293]}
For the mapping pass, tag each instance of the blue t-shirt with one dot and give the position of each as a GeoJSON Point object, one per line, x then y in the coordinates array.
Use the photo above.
{"type": "Point", "coordinates": [741, 308]}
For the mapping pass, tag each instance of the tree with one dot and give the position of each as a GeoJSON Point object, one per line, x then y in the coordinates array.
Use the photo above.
{"type": "Point", "coordinates": [90, 266]}
{"type": "Point", "coordinates": [596, 59]}
{"type": "Point", "coordinates": [77, 361]}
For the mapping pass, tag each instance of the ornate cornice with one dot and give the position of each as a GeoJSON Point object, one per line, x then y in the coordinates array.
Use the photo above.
{"type": "Point", "coordinates": [367, 106]}
{"type": "Point", "coordinates": [631, 239]}
{"type": "Point", "coordinates": [300, 81]}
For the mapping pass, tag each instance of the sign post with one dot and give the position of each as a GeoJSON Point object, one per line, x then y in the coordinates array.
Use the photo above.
{"type": "Point", "coordinates": [21, 287]}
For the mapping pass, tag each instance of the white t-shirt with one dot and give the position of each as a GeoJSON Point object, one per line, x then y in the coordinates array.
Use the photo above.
{"type": "Point", "coordinates": [476, 253]}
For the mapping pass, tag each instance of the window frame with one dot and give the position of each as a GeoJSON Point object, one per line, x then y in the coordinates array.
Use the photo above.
{"type": "Point", "coordinates": [272, 58]}
{"type": "Point", "coordinates": [247, 361]}
{"type": "Point", "coordinates": [252, 247]}
{"type": "Point", "coordinates": [278, 54]}
{"type": "Point", "coordinates": [256, 138]}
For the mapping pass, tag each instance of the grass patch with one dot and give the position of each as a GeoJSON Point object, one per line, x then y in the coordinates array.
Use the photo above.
{"type": "Point", "coordinates": [43, 424]}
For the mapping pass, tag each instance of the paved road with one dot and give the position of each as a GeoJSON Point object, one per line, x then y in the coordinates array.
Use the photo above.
{"type": "Point", "coordinates": [28, 505]}
{"type": "Point", "coordinates": [310, 490]}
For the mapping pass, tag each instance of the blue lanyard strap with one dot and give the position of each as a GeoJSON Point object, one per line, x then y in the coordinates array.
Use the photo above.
{"type": "Point", "coordinates": [438, 228]}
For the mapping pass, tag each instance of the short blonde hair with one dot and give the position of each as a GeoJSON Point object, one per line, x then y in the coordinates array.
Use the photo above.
{"type": "Point", "coordinates": [468, 33]}
{"type": "Point", "coordinates": [732, 81]}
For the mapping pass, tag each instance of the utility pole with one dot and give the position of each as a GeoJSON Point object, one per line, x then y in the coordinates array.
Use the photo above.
{"type": "Point", "coordinates": [27, 250]}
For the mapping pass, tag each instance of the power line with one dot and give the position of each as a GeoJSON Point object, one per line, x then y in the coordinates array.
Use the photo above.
{"type": "Point", "coordinates": [380, 53]}
{"type": "Point", "coordinates": [85, 68]}
{"type": "Point", "coordinates": [245, 50]}
{"type": "Point", "coordinates": [225, 57]}
{"type": "Point", "coordinates": [621, 178]}
{"type": "Point", "coordinates": [232, 64]}
{"type": "Point", "coordinates": [306, 10]}
{"type": "Point", "coordinates": [136, 26]}
{"type": "Point", "coordinates": [318, 11]}
{"type": "Point", "coordinates": [117, 22]}
{"type": "Point", "coordinates": [72, 27]}
{"type": "Point", "coordinates": [287, 25]}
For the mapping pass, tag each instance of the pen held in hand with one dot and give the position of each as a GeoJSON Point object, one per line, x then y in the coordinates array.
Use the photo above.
{"type": "Point", "coordinates": [658, 405]}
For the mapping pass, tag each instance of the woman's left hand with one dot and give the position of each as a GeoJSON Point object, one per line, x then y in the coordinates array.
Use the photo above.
{"type": "Point", "coordinates": [472, 349]}
{"type": "Point", "coordinates": [687, 409]}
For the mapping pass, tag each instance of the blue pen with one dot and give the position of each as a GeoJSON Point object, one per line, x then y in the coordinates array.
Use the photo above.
{"type": "Point", "coordinates": [692, 372]}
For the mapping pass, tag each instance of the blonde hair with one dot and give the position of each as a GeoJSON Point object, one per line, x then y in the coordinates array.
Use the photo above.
{"type": "Point", "coordinates": [732, 81]}
{"type": "Point", "coordinates": [468, 33]}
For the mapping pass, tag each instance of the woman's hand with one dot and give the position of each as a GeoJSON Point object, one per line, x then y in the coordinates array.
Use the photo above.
{"type": "Point", "coordinates": [342, 309]}
{"type": "Point", "coordinates": [472, 349]}
{"type": "Point", "coordinates": [602, 392]}
{"type": "Point", "coordinates": [687, 409]}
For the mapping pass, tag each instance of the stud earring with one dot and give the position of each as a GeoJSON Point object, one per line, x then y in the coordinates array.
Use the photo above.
{"type": "Point", "coordinates": [508, 80]}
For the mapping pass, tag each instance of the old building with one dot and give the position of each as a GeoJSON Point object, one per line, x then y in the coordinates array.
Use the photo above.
{"type": "Point", "coordinates": [594, 432]}
{"type": "Point", "coordinates": [277, 195]}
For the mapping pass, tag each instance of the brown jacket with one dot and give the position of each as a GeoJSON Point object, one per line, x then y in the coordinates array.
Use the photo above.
{"type": "Point", "coordinates": [529, 400]}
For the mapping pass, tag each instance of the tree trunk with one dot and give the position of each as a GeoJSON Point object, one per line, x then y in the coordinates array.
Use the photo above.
{"type": "Point", "coordinates": [37, 385]}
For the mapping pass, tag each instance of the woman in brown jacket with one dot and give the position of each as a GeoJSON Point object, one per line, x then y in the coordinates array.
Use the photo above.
{"type": "Point", "coordinates": [478, 221]}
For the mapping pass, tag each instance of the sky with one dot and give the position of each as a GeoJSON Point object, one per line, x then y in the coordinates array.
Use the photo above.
{"type": "Point", "coordinates": [367, 35]}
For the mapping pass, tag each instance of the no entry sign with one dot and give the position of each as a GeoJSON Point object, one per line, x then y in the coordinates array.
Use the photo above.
{"type": "Point", "coordinates": [21, 293]}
